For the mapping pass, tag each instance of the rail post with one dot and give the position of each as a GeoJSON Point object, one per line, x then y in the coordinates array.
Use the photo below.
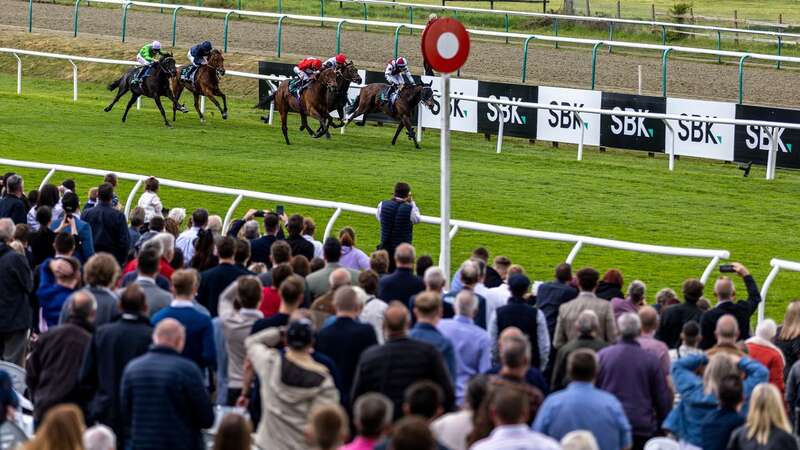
{"type": "Point", "coordinates": [228, 215]}
{"type": "Point", "coordinates": [525, 56]}
{"type": "Point", "coordinates": [30, 16]}
{"type": "Point", "coordinates": [741, 78]}
{"type": "Point", "coordinates": [339, 35]}
{"type": "Point", "coordinates": [75, 20]}
{"type": "Point", "coordinates": [663, 35]}
{"type": "Point", "coordinates": [47, 178]}
{"type": "Point", "coordinates": [772, 157]}
{"type": "Point", "coordinates": [707, 273]}
{"type": "Point", "coordinates": [780, 44]}
{"type": "Point", "coordinates": [239, 5]}
{"type": "Point", "coordinates": [125, 19]}
{"type": "Point", "coordinates": [610, 34]}
{"type": "Point", "coordinates": [175, 23]}
{"type": "Point", "coordinates": [555, 29]}
{"type": "Point", "coordinates": [74, 81]}
{"type": "Point", "coordinates": [397, 38]}
{"type": "Point", "coordinates": [331, 222]}
{"type": "Point", "coordinates": [225, 33]}
{"type": "Point", "coordinates": [19, 74]}
{"type": "Point", "coordinates": [719, 46]}
{"type": "Point", "coordinates": [280, 6]}
{"type": "Point", "coordinates": [765, 288]}
{"type": "Point", "coordinates": [280, 34]}
{"type": "Point", "coordinates": [574, 252]}
{"type": "Point", "coordinates": [366, 13]}
{"type": "Point", "coordinates": [161, 10]}
{"type": "Point", "coordinates": [664, 58]}
{"type": "Point", "coordinates": [411, 19]}
{"type": "Point", "coordinates": [132, 195]}
{"type": "Point", "coordinates": [594, 62]}
{"type": "Point", "coordinates": [671, 150]}
{"type": "Point", "coordinates": [321, 12]}
{"type": "Point", "coordinates": [583, 132]}
{"type": "Point", "coordinates": [502, 120]}
{"type": "Point", "coordinates": [506, 25]}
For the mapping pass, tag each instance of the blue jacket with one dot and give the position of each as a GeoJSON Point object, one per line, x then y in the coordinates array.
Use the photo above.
{"type": "Point", "coordinates": [109, 231]}
{"type": "Point", "coordinates": [198, 54]}
{"type": "Point", "coordinates": [164, 402]}
{"type": "Point", "coordinates": [200, 346]}
{"type": "Point", "coordinates": [51, 296]}
{"type": "Point", "coordinates": [687, 418]}
{"type": "Point", "coordinates": [400, 285]}
{"type": "Point", "coordinates": [86, 249]}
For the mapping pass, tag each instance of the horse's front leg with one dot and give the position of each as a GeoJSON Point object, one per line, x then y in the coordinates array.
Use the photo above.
{"type": "Point", "coordinates": [219, 94]}
{"type": "Point", "coordinates": [197, 107]}
{"type": "Point", "coordinates": [157, 99]}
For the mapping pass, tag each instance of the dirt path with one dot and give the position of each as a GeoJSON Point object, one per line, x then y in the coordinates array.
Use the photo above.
{"type": "Point", "coordinates": [490, 60]}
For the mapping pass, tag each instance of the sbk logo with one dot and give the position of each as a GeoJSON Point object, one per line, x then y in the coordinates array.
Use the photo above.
{"type": "Point", "coordinates": [698, 132]}
{"type": "Point", "coordinates": [760, 139]}
{"type": "Point", "coordinates": [630, 126]}
{"type": "Point", "coordinates": [565, 119]}
{"type": "Point", "coordinates": [455, 107]}
{"type": "Point", "coordinates": [510, 113]}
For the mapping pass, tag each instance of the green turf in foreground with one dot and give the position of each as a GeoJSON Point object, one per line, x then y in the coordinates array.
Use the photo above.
{"type": "Point", "coordinates": [617, 194]}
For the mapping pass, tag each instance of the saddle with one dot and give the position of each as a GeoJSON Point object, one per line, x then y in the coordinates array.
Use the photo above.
{"type": "Point", "coordinates": [141, 74]}
{"type": "Point", "coordinates": [296, 87]}
{"type": "Point", "coordinates": [189, 73]}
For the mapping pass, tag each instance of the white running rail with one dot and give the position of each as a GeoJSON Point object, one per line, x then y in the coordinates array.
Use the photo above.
{"type": "Point", "coordinates": [578, 241]}
{"type": "Point", "coordinates": [777, 266]}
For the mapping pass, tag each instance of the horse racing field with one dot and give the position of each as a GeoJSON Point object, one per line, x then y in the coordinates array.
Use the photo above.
{"type": "Point", "coordinates": [615, 194]}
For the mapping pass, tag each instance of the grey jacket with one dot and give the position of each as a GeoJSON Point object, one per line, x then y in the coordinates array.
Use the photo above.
{"type": "Point", "coordinates": [156, 297]}
{"type": "Point", "coordinates": [318, 282]}
{"type": "Point", "coordinates": [107, 307]}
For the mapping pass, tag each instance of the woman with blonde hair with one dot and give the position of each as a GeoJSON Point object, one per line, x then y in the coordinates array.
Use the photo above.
{"type": "Point", "coordinates": [788, 338]}
{"type": "Point", "coordinates": [61, 429]}
{"type": "Point", "coordinates": [766, 427]}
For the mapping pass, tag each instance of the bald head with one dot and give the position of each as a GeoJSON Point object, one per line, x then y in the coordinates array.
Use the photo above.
{"type": "Point", "coordinates": [649, 317]}
{"type": "Point", "coordinates": [396, 319]}
{"type": "Point", "coordinates": [727, 331]}
{"type": "Point", "coordinates": [170, 333]}
{"type": "Point", "coordinates": [404, 256]}
{"type": "Point", "coordinates": [345, 300]}
{"type": "Point", "coordinates": [83, 305]}
{"type": "Point", "coordinates": [338, 278]}
{"type": "Point", "coordinates": [724, 290]}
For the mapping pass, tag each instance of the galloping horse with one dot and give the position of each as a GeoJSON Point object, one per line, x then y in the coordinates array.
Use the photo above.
{"type": "Point", "coordinates": [312, 102]}
{"type": "Point", "coordinates": [369, 101]}
{"type": "Point", "coordinates": [337, 99]}
{"type": "Point", "coordinates": [154, 86]}
{"type": "Point", "coordinates": [206, 83]}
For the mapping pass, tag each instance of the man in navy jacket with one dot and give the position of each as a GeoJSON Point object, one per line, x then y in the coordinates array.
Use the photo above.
{"type": "Point", "coordinates": [109, 226]}
{"type": "Point", "coordinates": [401, 284]}
{"type": "Point", "coordinates": [164, 402]}
{"type": "Point", "coordinates": [11, 205]}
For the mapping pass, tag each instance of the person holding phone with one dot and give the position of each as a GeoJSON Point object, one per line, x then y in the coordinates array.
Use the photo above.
{"type": "Point", "coordinates": [397, 216]}
{"type": "Point", "coordinates": [742, 310]}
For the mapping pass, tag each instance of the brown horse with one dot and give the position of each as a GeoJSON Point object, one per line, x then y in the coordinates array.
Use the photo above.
{"type": "Point", "coordinates": [369, 100]}
{"type": "Point", "coordinates": [206, 83]}
{"type": "Point", "coordinates": [337, 99]}
{"type": "Point", "coordinates": [312, 102]}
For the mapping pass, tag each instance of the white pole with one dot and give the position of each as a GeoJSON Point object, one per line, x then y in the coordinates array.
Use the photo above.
{"type": "Point", "coordinates": [444, 229]}
{"type": "Point", "coordinates": [774, 151]}
{"type": "Point", "coordinates": [419, 122]}
{"type": "Point", "coordinates": [139, 103]}
{"type": "Point", "coordinates": [501, 117]}
{"type": "Point", "coordinates": [640, 79]}
{"type": "Point", "coordinates": [203, 104]}
{"type": "Point", "coordinates": [770, 156]}
{"type": "Point", "coordinates": [671, 150]}
{"type": "Point", "coordinates": [583, 129]}
{"type": "Point", "coordinates": [19, 74]}
{"type": "Point", "coordinates": [74, 81]}
{"type": "Point", "coordinates": [271, 110]}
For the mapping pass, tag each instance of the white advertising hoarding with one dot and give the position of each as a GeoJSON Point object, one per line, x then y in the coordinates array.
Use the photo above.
{"type": "Point", "coordinates": [702, 139]}
{"type": "Point", "coordinates": [564, 126]}
{"type": "Point", "coordinates": [463, 114]}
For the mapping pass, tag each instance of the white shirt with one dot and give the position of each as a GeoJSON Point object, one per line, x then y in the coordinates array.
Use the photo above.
{"type": "Point", "coordinates": [415, 216]}
{"type": "Point", "coordinates": [185, 242]}
{"type": "Point", "coordinates": [151, 204]}
{"type": "Point", "coordinates": [491, 301]}
{"type": "Point", "coordinates": [372, 313]}
{"type": "Point", "coordinates": [317, 245]}
{"type": "Point", "coordinates": [181, 304]}
{"type": "Point", "coordinates": [515, 437]}
{"type": "Point", "coordinates": [451, 430]}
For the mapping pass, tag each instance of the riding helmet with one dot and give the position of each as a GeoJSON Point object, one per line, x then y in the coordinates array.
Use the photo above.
{"type": "Point", "coordinates": [401, 62]}
{"type": "Point", "coordinates": [156, 45]}
{"type": "Point", "coordinates": [341, 59]}
{"type": "Point", "coordinates": [206, 46]}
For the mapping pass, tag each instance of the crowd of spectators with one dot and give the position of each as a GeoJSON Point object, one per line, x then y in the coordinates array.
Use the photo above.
{"type": "Point", "coordinates": [162, 331]}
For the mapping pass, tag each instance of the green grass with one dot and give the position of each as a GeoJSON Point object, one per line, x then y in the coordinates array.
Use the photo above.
{"type": "Point", "coordinates": [616, 194]}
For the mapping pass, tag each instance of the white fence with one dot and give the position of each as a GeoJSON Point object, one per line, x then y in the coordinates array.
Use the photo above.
{"type": "Point", "coordinates": [578, 241]}
{"type": "Point", "coordinates": [777, 266]}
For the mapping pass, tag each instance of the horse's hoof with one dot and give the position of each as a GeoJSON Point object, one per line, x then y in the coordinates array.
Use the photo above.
{"type": "Point", "coordinates": [107, 109]}
{"type": "Point", "coordinates": [265, 119]}
{"type": "Point", "coordinates": [202, 120]}
{"type": "Point", "coordinates": [224, 116]}
{"type": "Point", "coordinates": [169, 125]}
{"type": "Point", "coordinates": [327, 136]}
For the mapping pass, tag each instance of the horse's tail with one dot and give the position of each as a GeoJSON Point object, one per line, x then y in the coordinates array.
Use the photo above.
{"type": "Point", "coordinates": [353, 107]}
{"type": "Point", "coordinates": [115, 84]}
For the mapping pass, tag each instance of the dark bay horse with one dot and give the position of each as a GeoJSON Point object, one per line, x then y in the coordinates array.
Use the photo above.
{"type": "Point", "coordinates": [206, 83]}
{"type": "Point", "coordinates": [313, 102]}
{"type": "Point", "coordinates": [337, 99]}
{"type": "Point", "coordinates": [155, 86]}
{"type": "Point", "coordinates": [369, 101]}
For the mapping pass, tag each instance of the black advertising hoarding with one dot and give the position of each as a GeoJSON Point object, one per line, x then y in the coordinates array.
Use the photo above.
{"type": "Point", "coordinates": [519, 121]}
{"type": "Point", "coordinates": [377, 77]}
{"type": "Point", "coordinates": [635, 133]}
{"type": "Point", "coordinates": [753, 143]}
{"type": "Point", "coordinates": [274, 69]}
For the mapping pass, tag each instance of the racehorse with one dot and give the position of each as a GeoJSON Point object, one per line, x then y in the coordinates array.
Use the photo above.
{"type": "Point", "coordinates": [206, 83]}
{"type": "Point", "coordinates": [369, 100]}
{"type": "Point", "coordinates": [337, 99]}
{"type": "Point", "coordinates": [155, 85]}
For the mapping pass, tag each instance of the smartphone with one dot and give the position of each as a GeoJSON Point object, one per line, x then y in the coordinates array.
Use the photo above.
{"type": "Point", "coordinates": [727, 268]}
{"type": "Point", "coordinates": [279, 210]}
{"type": "Point", "coordinates": [259, 214]}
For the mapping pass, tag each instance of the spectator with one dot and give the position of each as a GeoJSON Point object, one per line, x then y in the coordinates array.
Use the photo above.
{"type": "Point", "coordinates": [185, 241]}
{"type": "Point", "coordinates": [136, 227]}
{"type": "Point", "coordinates": [85, 247]}
{"type": "Point", "coordinates": [279, 253]}
{"type": "Point", "coordinates": [100, 274]}
{"type": "Point", "coordinates": [163, 400]}
{"type": "Point", "coordinates": [582, 406]}
{"type": "Point", "coordinates": [271, 299]}
{"type": "Point", "coordinates": [199, 344]}
{"type": "Point", "coordinates": [423, 263]}
{"type": "Point", "coordinates": [149, 200]}
{"type": "Point", "coordinates": [727, 336]}
{"type": "Point", "coordinates": [587, 325]}
{"type": "Point", "coordinates": [291, 292]}
{"type": "Point", "coordinates": [309, 229]}
{"type": "Point", "coordinates": [552, 295]}
{"type": "Point", "coordinates": [164, 244]}
{"type": "Point", "coordinates": [767, 426]}
{"type": "Point", "coordinates": [43, 238]}
{"type": "Point", "coordinates": [112, 347]}
{"type": "Point", "coordinates": [610, 286]}
{"type": "Point", "coordinates": [690, 339]}
{"type": "Point", "coordinates": [21, 234]}
{"type": "Point", "coordinates": [412, 433]}
{"type": "Point", "coordinates": [792, 395]}
{"type": "Point", "coordinates": [434, 281]}
{"type": "Point", "coordinates": [719, 424]}
{"type": "Point", "coordinates": [177, 215]}
{"type": "Point", "coordinates": [99, 437]}
{"type": "Point", "coordinates": [156, 225]}
{"type": "Point", "coordinates": [664, 299]}
{"type": "Point", "coordinates": [699, 394]}
{"type": "Point", "coordinates": [379, 262]}
{"type": "Point", "coordinates": [502, 266]}
{"type": "Point", "coordinates": [374, 308]}
{"type": "Point", "coordinates": [319, 281]}
{"type": "Point", "coordinates": [91, 198]}
{"type": "Point", "coordinates": [214, 225]}
{"type": "Point", "coordinates": [59, 278]}
{"type": "Point", "coordinates": [323, 307]}
{"type": "Point", "coordinates": [11, 205]}
{"type": "Point", "coordinates": [16, 283]}
{"type": "Point", "coordinates": [316, 265]}
{"type": "Point", "coordinates": [352, 257]}
{"type": "Point", "coordinates": [48, 196]}
{"type": "Point", "coordinates": [299, 244]}
{"type": "Point", "coordinates": [422, 399]}
{"type": "Point", "coordinates": [490, 274]}
{"type": "Point", "coordinates": [54, 366]}
{"type": "Point", "coordinates": [788, 339]}
{"type": "Point", "coordinates": [675, 317]}
{"type": "Point", "coordinates": [726, 304]}
{"type": "Point", "coordinates": [410, 361]}
{"type": "Point", "coordinates": [300, 265]}
{"type": "Point", "coordinates": [428, 309]}
{"type": "Point", "coordinates": [761, 348]}
{"type": "Point", "coordinates": [346, 339]}
{"type": "Point", "coordinates": [236, 326]}
{"type": "Point", "coordinates": [260, 246]}
{"type": "Point", "coordinates": [530, 320]}
{"type": "Point", "coordinates": [515, 360]}
{"type": "Point", "coordinates": [147, 269]}
{"type": "Point", "coordinates": [372, 414]}
{"type": "Point", "coordinates": [579, 440]}
{"type": "Point", "coordinates": [9, 401]}
{"type": "Point", "coordinates": [649, 320]}
{"type": "Point", "coordinates": [233, 433]}
{"type": "Point", "coordinates": [634, 376]}
{"type": "Point", "coordinates": [509, 412]}
{"type": "Point", "coordinates": [214, 281]}
{"type": "Point", "coordinates": [452, 429]}
{"type": "Point", "coordinates": [471, 343]}
{"type": "Point", "coordinates": [633, 302]}
{"type": "Point", "coordinates": [401, 284]}
{"type": "Point", "coordinates": [204, 257]}
{"type": "Point", "coordinates": [109, 226]}
{"type": "Point", "coordinates": [328, 428]}
{"type": "Point", "coordinates": [111, 178]}
{"type": "Point", "coordinates": [568, 312]}
{"type": "Point", "coordinates": [62, 429]}
{"type": "Point", "coordinates": [397, 217]}
{"type": "Point", "coordinates": [513, 337]}
{"type": "Point", "coordinates": [292, 385]}
{"type": "Point", "coordinates": [471, 275]}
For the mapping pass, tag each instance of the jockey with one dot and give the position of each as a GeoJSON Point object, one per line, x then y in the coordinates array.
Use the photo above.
{"type": "Point", "coordinates": [398, 75]}
{"type": "Point", "coordinates": [148, 53]}
{"type": "Point", "coordinates": [307, 70]}
{"type": "Point", "coordinates": [335, 61]}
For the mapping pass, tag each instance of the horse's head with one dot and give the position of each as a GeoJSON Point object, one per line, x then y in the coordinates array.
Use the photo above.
{"type": "Point", "coordinates": [167, 64]}
{"type": "Point", "coordinates": [349, 73]}
{"type": "Point", "coordinates": [426, 94]}
{"type": "Point", "coordinates": [217, 62]}
{"type": "Point", "coordinates": [328, 79]}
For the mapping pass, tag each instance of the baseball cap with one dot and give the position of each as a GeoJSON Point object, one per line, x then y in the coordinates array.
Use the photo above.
{"type": "Point", "coordinates": [519, 284]}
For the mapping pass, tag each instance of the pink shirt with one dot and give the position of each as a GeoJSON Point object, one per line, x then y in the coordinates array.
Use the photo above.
{"type": "Point", "coordinates": [360, 443]}
{"type": "Point", "coordinates": [658, 348]}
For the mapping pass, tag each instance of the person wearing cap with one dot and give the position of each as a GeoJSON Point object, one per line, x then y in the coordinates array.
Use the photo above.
{"type": "Point", "coordinates": [84, 248]}
{"type": "Point", "coordinates": [146, 57]}
{"type": "Point", "coordinates": [292, 384]}
{"type": "Point", "coordinates": [398, 75]}
{"type": "Point", "coordinates": [335, 61]}
{"type": "Point", "coordinates": [529, 319]}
